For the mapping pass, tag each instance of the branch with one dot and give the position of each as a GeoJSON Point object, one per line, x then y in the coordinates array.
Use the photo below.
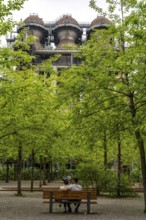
{"type": "Point", "coordinates": [5, 135]}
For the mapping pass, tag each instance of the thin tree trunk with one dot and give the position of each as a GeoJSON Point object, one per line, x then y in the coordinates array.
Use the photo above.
{"type": "Point", "coordinates": [143, 163]}
{"type": "Point", "coordinates": [119, 170]}
{"type": "Point", "coordinates": [7, 172]}
{"type": "Point", "coordinates": [49, 173]}
{"type": "Point", "coordinates": [19, 191]}
{"type": "Point", "coordinates": [105, 150]}
{"type": "Point", "coordinates": [41, 168]}
{"type": "Point", "coordinates": [15, 170]}
{"type": "Point", "coordinates": [44, 171]}
{"type": "Point", "coordinates": [32, 170]}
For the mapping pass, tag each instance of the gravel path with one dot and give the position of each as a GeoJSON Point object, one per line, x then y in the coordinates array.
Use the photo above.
{"type": "Point", "coordinates": [31, 207]}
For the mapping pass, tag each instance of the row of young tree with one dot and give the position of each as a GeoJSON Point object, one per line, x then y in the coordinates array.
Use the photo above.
{"type": "Point", "coordinates": [96, 113]}
{"type": "Point", "coordinates": [30, 126]}
{"type": "Point", "coordinates": [107, 91]}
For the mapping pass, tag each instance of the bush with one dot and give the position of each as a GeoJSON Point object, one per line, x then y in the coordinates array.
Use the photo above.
{"type": "Point", "coordinates": [136, 176]}
{"type": "Point", "coordinates": [3, 173]}
{"type": "Point", "coordinates": [94, 176]}
{"type": "Point", "coordinates": [103, 180]}
{"type": "Point", "coordinates": [26, 174]}
{"type": "Point", "coordinates": [124, 186]}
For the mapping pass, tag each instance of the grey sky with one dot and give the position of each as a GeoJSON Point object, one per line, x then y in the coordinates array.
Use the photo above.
{"type": "Point", "coordinates": [50, 10]}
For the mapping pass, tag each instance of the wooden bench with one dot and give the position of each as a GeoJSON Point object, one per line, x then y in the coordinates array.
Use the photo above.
{"type": "Point", "coordinates": [54, 195]}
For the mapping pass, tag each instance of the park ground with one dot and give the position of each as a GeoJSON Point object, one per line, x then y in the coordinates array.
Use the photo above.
{"type": "Point", "coordinates": [31, 207]}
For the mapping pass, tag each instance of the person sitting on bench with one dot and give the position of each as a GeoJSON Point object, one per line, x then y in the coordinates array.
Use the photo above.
{"type": "Point", "coordinates": [75, 187]}
{"type": "Point", "coordinates": [65, 188]}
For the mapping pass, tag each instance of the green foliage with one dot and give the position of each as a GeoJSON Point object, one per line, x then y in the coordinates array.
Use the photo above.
{"type": "Point", "coordinates": [28, 103]}
{"type": "Point", "coordinates": [3, 173]}
{"type": "Point", "coordinates": [6, 10]}
{"type": "Point", "coordinates": [105, 181]}
{"type": "Point", "coordinates": [26, 173]}
{"type": "Point", "coordinates": [23, 43]}
{"type": "Point", "coordinates": [95, 106]}
{"type": "Point", "coordinates": [106, 93]}
{"type": "Point", "coordinates": [124, 186]}
{"type": "Point", "coordinates": [91, 174]}
{"type": "Point", "coordinates": [136, 176]}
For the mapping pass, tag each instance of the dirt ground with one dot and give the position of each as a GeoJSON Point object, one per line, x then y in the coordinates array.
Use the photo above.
{"type": "Point", "coordinates": [31, 207]}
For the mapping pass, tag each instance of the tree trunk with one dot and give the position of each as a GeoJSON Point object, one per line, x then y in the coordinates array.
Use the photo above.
{"type": "Point", "coordinates": [44, 172]}
{"type": "Point", "coordinates": [7, 172]}
{"type": "Point", "coordinates": [19, 192]}
{"type": "Point", "coordinates": [49, 173]}
{"type": "Point", "coordinates": [119, 170]}
{"type": "Point", "coordinates": [143, 162]}
{"type": "Point", "coordinates": [105, 150]}
{"type": "Point", "coordinates": [41, 168]}
{"type": "Point", "coordinates": [32, 170]}
{"type": "Point", "coordinates": [140, 145]}
{"type": "Point", "coordinates": [15, 171]}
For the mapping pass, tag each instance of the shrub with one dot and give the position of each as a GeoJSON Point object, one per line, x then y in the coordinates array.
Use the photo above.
{"type": "Point", "coordinates": [103, 180]}
{"type": "Point", "coordinates": [124, 186]}
{"type": "Point", "coordinates": [94, 176]}
{"type": "Point", "coordinates": [3, 173]}
{"type": "Point", "coordinates": [136, 176]}
{"type": "Point", "coordinates": [26, 173]}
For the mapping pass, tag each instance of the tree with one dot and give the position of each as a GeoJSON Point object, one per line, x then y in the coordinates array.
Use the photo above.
{"type": "Point", "coordinates": [111, 79]}
{"type": "Point", "coordinates": [130, 64]}
{"type": "Point", "coordinates": [27, 109]}
{"type": "Point", "coordinates": [7, 8]}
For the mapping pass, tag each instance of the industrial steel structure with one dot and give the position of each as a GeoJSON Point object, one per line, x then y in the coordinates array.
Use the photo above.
{"type": "Point", "coordinates": [61, 36]}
